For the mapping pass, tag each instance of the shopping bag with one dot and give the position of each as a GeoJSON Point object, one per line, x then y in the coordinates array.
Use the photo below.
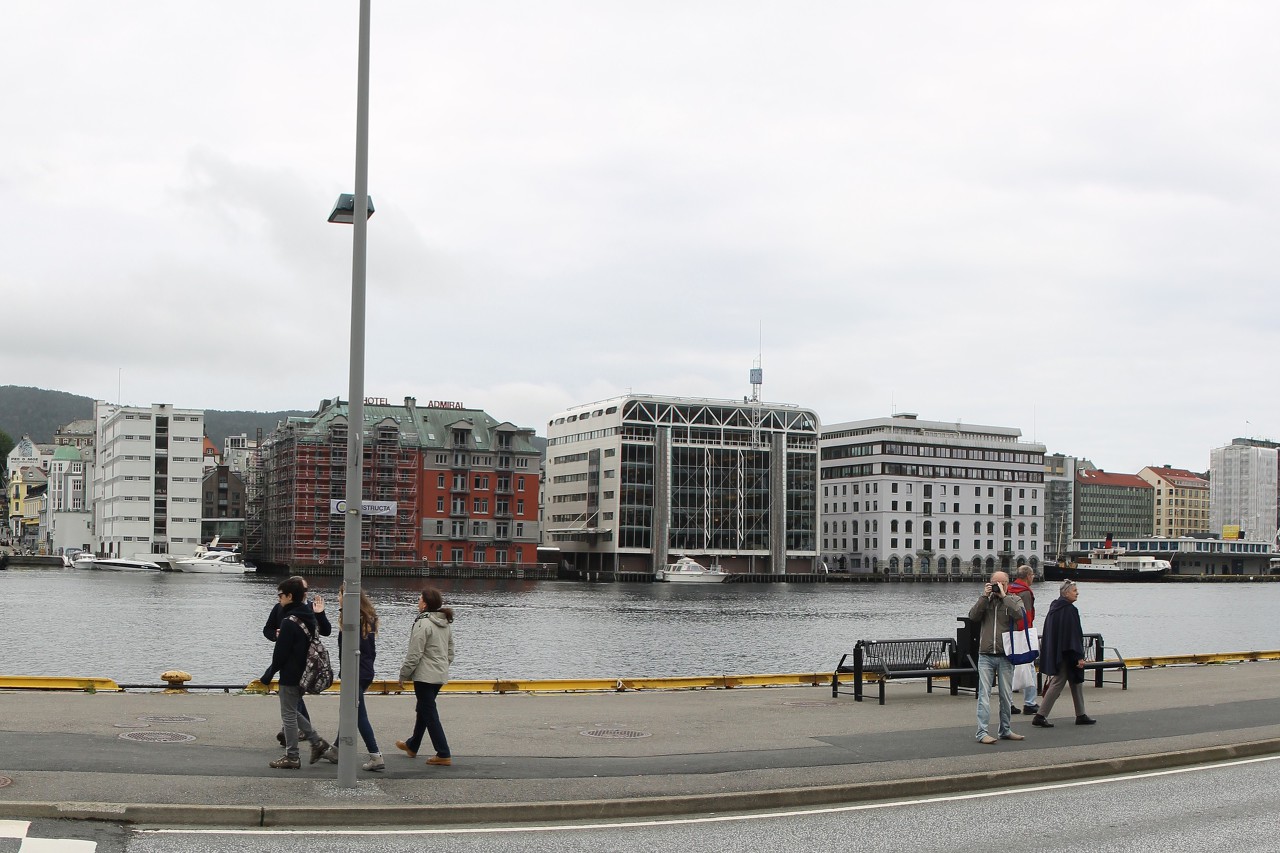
{"type": "Point", "coordinates": [1021, 646]}
{"type": "Point", "coordinates": [1024, 676]}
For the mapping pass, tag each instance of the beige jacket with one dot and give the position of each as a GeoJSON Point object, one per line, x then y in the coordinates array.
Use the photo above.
{"type": "Point", "coordinates": [430, 650]}
{"type": "Point", "coordinates": [995, 614]}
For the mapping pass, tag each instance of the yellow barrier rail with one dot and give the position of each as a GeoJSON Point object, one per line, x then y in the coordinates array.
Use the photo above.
{"type": "Point", "coordinates": [42, 682]}
{"type": "Point", "coordinates": [610, 685]}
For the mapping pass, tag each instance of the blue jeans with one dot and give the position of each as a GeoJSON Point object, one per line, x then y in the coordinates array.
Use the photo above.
{"type": "Point", "coordinates": [990, 667]}
{"type": "Point", "coordinates": [428, 720]}
{"type": "Point", "coordinates": [362, 721]}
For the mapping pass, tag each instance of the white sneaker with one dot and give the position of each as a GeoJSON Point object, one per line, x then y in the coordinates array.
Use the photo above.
{"type": "Point", "coordinates": [375, 763]}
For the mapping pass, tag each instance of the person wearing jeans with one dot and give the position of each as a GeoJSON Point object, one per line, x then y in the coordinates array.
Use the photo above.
{"type": "Point", "coordinates": [297, 627]}
{"type": "Point", "coordinates": [368, 653]}
{"type": "Point", "coordinates": [994, 611]}
{"type": "Point", "coordinates": [426, 663]}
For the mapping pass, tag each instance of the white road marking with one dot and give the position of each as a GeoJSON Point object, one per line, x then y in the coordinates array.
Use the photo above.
{"type": "Point", "coordinates": [57, 845]}
{"type": "Point", "coordinates": [1056, 786]}
{"type": "Point", "coordinates": [14, 828]}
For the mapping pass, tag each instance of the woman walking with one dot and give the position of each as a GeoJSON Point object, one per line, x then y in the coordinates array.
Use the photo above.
{"type": "Point", "coordinates": [426, 663]}
{"type": "Point", "coordinates": [1062, 657]}
{"type": "Point", "coordinates": [368, 652]}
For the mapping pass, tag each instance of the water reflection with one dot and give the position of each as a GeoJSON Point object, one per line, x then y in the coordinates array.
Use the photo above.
{"type": "Point", "coordinates": [131, 627]}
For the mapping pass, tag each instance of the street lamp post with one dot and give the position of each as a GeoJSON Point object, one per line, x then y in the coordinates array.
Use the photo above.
{"type": "Point", "coordinates": [350, 602]}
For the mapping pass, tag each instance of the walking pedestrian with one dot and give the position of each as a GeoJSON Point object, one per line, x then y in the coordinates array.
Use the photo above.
{"type": "Point", "coordinates": [368, 652]}
{"type": "Point", "coordinates": [271, 631]}
{"type": "Point", "coordinates": [426, 663]}
{"type": "Point", "coordinates": [1021, 587]}
{"type": "Point", "coordinates": [297, 627]}
{"type": "Point", "coordinates": [1062, 656]}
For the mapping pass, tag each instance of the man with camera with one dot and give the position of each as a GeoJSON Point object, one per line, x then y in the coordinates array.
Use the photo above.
{"type": "Point", "coordinates": [994, 611]}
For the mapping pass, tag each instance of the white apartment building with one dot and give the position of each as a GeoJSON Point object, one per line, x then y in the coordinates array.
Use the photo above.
{"type": "Point", "coordinates": [632, 482]}
{"type": "Point", "coordinates": [146, 479]}
{"type": "Point", "coordinates": [1243, 489]}
{"type": "Point", "coordinates": [904, 495]}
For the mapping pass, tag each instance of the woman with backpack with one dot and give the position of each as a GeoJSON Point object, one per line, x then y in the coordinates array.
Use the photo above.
{"type": "Point", "coordinates": [297, 627]}
{"type": "Point", "coordinates": [426, 663]}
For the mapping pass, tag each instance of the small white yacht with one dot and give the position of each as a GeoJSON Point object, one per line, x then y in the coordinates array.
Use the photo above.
{"type": "Point", "coordinates": [213, 562]}
{"type": "Point", "coordinates": [689, 570]}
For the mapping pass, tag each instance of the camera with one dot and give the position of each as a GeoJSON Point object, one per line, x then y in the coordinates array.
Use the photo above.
{"type": "Point", "coordinates": [997, 589]}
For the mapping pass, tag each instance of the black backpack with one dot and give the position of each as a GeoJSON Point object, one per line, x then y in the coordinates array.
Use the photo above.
{"type": "Point", "coordinates": [317, 674]}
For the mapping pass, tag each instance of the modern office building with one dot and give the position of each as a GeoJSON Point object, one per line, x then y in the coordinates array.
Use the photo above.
{"type": "Point", "coordinates": [146, 479]}
{"type": "Point", "coordinates": [1181, 501]}
{"type": "Point", "coordinates": [902, 495]}
{"type": "Point", "coordinates": [1059, 507]}
{"type": "Point", "coordinates": [223, 507]}
{"type": "Point", "coordinates": [1243, 490]}
{"type": "Point", "coordinates": [443, 483]}
{"type": "Point", "coordinates": [634, 482]}
{"type": "Point", "coordinates": [1110, 504]}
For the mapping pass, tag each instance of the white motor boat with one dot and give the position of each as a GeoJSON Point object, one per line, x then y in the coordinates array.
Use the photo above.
{"type": "Point", "coordinates": [120, 564]}
{"type": "Point", "coordinates": [214, 563]}
{"type": "Point", "coordinates": [689, 570]}
{"type": "Point", "coordinates": [84, 560]}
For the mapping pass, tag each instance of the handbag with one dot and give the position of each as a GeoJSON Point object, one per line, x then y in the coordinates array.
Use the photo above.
{"type": "Point", "coordinates": [1024, 676]}
{"type": "Point", "coordinates": [1021, 646]}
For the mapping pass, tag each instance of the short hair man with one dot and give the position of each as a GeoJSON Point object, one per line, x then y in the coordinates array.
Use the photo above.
{"type": "Point", "coordinates": [297, 627]}
{"type": "Point", "coordinates": [994, 611]}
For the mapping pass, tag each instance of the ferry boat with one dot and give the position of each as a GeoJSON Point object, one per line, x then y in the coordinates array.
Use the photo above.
{"type": "Point", "coordinates": [1109, 563]}
{"type": "Point", "coordinates": [689, 570]}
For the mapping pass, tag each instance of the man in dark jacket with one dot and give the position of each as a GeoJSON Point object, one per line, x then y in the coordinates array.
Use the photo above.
{"type": "Point", "coordinates": [1062, 656]}
{"type": "Point", "coordinates": [271, 630]}
{"type": "Point", "coordinates": [297, 626]}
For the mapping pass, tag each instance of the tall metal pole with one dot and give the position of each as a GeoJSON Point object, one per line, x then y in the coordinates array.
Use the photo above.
{"type": "Point", "coordinates": [350, 651]}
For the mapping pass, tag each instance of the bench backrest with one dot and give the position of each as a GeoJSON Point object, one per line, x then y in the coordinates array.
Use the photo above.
{"type": "Point", "coordinates": [1093, 648]}
{"type": "Point", "coordinates": [888, 655]}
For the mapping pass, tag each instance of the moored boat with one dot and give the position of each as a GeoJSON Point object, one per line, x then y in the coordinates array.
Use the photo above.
{"type": "Point", "coordinates": [1109, 563]}
{"type": "Point", "coordinates": [213, 562]}
{"type": "Point", "coordinates": [689, 570]}
{"type": "Point", "coordinates": [120, 564]}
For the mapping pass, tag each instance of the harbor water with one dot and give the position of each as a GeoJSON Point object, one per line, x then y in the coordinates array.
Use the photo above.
{"type": "Point", "coordinates": [132, 626]}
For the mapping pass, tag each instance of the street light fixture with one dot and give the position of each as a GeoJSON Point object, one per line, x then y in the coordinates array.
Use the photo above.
{"type": "Point", "coordinates": [344, 211]}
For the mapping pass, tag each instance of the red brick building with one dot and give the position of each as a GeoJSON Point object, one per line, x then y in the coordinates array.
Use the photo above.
{"type": "Point", "coordinates": [464, 485]}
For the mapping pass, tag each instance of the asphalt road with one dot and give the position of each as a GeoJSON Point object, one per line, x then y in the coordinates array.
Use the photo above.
{"type": "Point", "coordinates": [1229, 807]}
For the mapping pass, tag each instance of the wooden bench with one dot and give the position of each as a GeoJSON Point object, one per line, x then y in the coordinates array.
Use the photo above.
{"type": "Point", "coordinates": [891, 659]}
{"type": "Point", "coordinates": [1097, 662]}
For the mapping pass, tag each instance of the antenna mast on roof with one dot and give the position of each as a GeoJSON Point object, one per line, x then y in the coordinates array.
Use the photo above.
{"type": "Point", "coordinates": [757, 411]}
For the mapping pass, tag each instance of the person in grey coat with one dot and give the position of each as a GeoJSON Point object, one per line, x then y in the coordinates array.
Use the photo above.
{"type": "Point", "coordinates": [994, 611]}
{"type": "Point", "coordinates": [426, 663]}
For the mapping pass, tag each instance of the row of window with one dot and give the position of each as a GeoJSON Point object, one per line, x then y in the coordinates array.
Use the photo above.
{"type": "Point", "coordinates": [479, 505]}
{"type": "Point", "coordinates": [458, 528]}
{"type": "Point", "coordinates": [873, 526]}
{"type": "Point", "coordinates": [480, 483]}
{"type": "Point", "coordinates": [872, 543]}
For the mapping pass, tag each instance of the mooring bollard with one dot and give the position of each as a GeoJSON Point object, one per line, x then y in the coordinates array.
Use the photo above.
{"type": "Point", "coordinates": [176, 679]}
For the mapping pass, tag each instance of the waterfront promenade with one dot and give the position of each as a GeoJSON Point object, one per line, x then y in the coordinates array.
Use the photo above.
{"type": "Point", "coordinates": [540, 756]}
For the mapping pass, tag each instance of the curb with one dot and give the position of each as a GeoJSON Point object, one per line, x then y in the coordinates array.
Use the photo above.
{"type": "Point", "coordinates": [172, 814]}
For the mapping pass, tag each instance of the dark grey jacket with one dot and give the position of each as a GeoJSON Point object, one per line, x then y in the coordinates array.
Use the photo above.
{"type": "Point", "coordinates": [995, 614]}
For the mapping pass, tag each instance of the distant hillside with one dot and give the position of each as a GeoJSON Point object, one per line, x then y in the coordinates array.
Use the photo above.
{"type": "Point", "coordinates": [37, 413]}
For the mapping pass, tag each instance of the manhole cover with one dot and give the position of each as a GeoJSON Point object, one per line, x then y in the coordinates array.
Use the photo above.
{"type": "Point", "coordinates": [157, 737]}
{"type": "Point", "coordinates": [173, 718]}
{"type": "Point", "coordinates": [809, 704]}
{"type": "Point", "coordinates": [5, 781]}
{"type": "Point", "coordinates": [131, 725]}
{"type": "Point", "coordinates": [614, 733]}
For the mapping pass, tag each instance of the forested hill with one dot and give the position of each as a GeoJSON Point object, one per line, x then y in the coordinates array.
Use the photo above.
{"type": "Point", "coordinates": [37, 412]}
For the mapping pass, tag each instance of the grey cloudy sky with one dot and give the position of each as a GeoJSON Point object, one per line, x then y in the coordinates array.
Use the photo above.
{"type": "Point", "coordinates": [1060, 217]}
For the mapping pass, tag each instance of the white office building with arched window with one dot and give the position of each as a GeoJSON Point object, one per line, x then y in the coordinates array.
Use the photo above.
{"type": "Point", "coordinates": [902, 495]}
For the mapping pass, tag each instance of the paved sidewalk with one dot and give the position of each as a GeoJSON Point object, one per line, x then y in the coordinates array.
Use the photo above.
{"type": "Point", "coordinates": [541, 756]}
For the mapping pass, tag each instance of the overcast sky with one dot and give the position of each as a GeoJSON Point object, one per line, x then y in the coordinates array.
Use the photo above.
{"type": "Point", "coordinates": [1059, 217]}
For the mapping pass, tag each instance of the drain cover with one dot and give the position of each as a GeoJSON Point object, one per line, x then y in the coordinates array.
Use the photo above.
{"type": "Point", "coordinates": [174, 718]}
{"type": "Point", "coordinates": [157, 737]}
{"type": "Point", "coordinates": [615, 733]}
{"type": "Point", "coordinates": [5, 781]}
